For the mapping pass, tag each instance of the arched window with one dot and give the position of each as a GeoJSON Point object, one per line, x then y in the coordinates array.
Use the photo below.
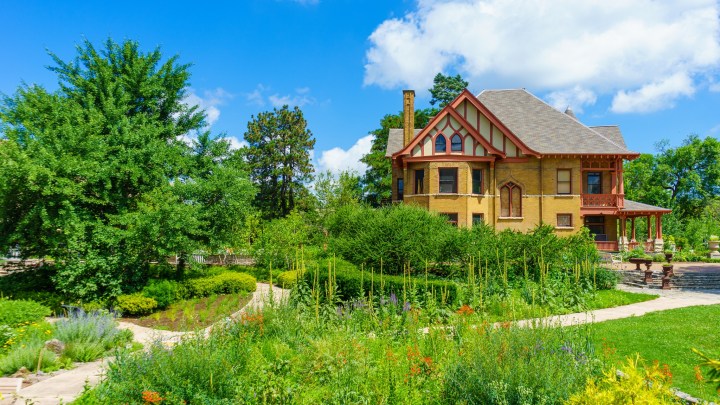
{"type": "Point", "coordinates": [456, 143]}
{"type": "Point", "coordinates": [510, 200]}
{"type": "Point", "coordinates": [440, 143]}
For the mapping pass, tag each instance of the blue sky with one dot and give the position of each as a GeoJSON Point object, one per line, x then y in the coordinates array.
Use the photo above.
{"type": "Point", "coordinates": [651, 67]}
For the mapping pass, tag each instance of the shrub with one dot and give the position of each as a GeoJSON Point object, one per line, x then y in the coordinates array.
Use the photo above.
{"type": "Point", "coordinates": [636, 386]}
{"type": "Point", "coordinates": [95, 328]}
{"type": "Point", "coordinates": [164, 292]}
{"type": "Point", "coordinates": [288, 279]}
{"type": "Point", "coordinates": [15, 312]}
{"type": "Point", "coordinates": [225, 283]}
{"type": "Point", "coordinates": [84, 352]}
{"type": "Point", "coordinates": [135, 304]}
{"type": "Point", "coordinates": [50, 299]}
{"type": "Point", "coordinates": [606, 279]}
{"type": "Point", "coordinates": [27, 356]}
{"type": "Point", "coordinates": [658, 257]}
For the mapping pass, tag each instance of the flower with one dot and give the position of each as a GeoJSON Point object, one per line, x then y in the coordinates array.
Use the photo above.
{"type": "Point", "coordinates": [152, 397]}
{"type": "Point", "coordinates": [465, 310]}
{"type": "Point", "coordinates": [393, 299]}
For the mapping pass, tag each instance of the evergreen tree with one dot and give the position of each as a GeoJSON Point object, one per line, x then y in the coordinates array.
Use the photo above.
{"type": "Point", "coordinates": [278, 156]}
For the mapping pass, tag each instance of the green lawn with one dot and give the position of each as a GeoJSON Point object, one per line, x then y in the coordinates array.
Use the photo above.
{"type": "Point", "coordinates": [667, 337]}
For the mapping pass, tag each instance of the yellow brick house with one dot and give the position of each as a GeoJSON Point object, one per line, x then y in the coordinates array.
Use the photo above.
{"type": "Point", "coordinates": [510, 160]}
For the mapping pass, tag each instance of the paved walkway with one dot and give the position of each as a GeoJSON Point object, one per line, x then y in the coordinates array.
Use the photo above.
{"type": "Point", "coordinates": [69, 385]}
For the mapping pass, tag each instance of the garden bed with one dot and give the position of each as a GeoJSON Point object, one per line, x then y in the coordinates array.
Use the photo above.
{"type": "Point", "coordinates": [192, 314]}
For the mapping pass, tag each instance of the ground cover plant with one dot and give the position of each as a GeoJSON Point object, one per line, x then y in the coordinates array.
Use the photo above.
{"type": "Point", "coordinates": [668, 337]}
{"type": "Point", "coordinates": [194, 313]}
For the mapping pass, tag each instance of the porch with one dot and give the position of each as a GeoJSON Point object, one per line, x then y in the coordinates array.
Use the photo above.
{"type": "Point", "coordinates": [611, 229]}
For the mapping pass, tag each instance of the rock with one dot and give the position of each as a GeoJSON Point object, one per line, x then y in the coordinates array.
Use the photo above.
{"type": "Point", "coordinates": [55, 346]}
{"type": "Point", "coordinates": [23, 372]}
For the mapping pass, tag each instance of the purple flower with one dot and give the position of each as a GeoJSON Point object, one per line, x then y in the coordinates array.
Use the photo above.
{"type": "Point", "coordinates": [393, 299]}
{"type": "Point", "coordinates": [566, 349]}
{"type": "Point", "coordinates": [406, 307]}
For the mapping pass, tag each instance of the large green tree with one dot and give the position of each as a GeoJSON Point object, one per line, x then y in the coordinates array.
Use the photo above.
{"type": "Point", "coordinates": [446, 88]}
{"type": "Point", "coordinates": [685, 179]}
{"type": "Point", "coordinates": [278, 156]}
{"type": "Point", "coordinates": [97, 175]}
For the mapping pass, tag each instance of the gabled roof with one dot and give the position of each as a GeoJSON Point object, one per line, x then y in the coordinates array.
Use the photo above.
{"type": "Point", "coordinates": [547, 130]}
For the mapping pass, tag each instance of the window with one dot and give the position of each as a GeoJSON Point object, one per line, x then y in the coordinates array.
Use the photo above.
{"type": "Point", "coordinates": [419, 181]}
{"type": "Point", "coordinates": [594, 183]}
{"type": "Point", "coordinates": [452, 218]}
{"type": "Point", "coordinates": [440, 144]}
{"type": "Point", "coordinates": [510, 200]}
{"type": "Point", "coordinates": [456, 143]}
{"type": "Point", "coordinates": [564, 182]}
{"type": "Point", "coordinates": [448, 180]}
{"type": "Point", "coordinates": [400, 188]}
{"type": "Point", "coordinates": [478, 218]}
{"type": "Point", "coordinates": [477, 176]}
{"type": "Point", "coordinates": [596, 225]}
{"type": "Point", "coordinates": [564, 220]}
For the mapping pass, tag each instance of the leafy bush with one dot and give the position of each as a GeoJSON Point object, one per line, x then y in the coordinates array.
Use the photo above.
{"type": "Point", "coordinates": [135, 304]}
{"type": "Point", "coordinates": [606, 279]}
{"type": "Point", "coordinates": [27, 356]}
{"type": "Point", "coordinates": [636, 386]}
{"type": "Point", "coordinates": [164, 292]}
{"type": "Point", "coordinates": [52, 300]}
{"type": "Point", "coordinates": [225, 283]}
{"type": "Point", "coordinates": [95, 328]}
{"type": "Point", "coordinates": [280, 242]}
{"type": "Point", "coordinates": [38, 279]}
{"type": "Point", "coordinates": [15, 312]}
{"type": "Point", "coordinates": [288, 279]}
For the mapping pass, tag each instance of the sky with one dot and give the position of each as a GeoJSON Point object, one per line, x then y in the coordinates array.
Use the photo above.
{"type": "Point", "coordinates": [651, 67]}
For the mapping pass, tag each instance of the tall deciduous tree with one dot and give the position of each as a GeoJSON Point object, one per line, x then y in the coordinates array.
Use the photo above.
{"type": "Point", "coordinates": [96, 174]}
{"type": "Point", "coordinates": [278, 156]}
{"type": "Point", "coordinates": [446, 88]}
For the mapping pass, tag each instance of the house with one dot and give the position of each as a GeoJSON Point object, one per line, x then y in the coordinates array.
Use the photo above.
{"type": "Point", "coordinates": [510, 160]}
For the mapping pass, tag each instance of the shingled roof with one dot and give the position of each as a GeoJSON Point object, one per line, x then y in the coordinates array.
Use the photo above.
{"type": "Point", "coordinates": [395, 140]}
{"type": "Point", "coordinates": [630, 206]}
{"type": "Point", "coordinates": [547, 130]}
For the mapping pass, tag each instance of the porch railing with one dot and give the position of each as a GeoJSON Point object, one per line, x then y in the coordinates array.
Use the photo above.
{"type": "Point", "coordinates": [607, 245]}
{"type": "Point", "coordinates": [602, 200]}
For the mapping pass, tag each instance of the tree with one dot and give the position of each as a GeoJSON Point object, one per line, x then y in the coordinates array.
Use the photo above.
{"type": "Point", "coordinates": [446, 88]}
{"type": "Point", "coordinates": [96, 174]}
{"type": "Point", "coordinates": [278, 157]}
{"type": "Point", "coordinates": [333, 192]}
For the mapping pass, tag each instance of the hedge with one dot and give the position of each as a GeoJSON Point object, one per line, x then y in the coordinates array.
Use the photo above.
{"type": "Point", "coordinates": [225, 283]}
{"type": "Point", "coordinates": [135, 304]}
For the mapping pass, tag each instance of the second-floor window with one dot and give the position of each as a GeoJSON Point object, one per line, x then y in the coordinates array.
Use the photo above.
{"type": "Point", "coordinates": [440, 144]}
{"type": "Point", "coordinates": [594, 183]}
{"type": "Point", "coordinates": [510, 200]}
{"type": "Point", "coordinates": [456, 143]}
{"type": "Point", "coordinates": [564, 183]}
{"type": "Point", "coordinates": [448, 180]}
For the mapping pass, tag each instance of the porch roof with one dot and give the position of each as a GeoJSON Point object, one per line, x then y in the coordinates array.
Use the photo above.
{"type": "Point", "coordinates": [634, 208]}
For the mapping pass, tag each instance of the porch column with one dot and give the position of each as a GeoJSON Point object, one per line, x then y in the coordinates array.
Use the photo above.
{"type": "Point", "coordinates": [659, 244]}
{"type": "Point", "coordinates": [623, 242]}
{"type": "Point", "coordinates": [632, 221]}
{"type": "Point", "coordinates": [649, 234]}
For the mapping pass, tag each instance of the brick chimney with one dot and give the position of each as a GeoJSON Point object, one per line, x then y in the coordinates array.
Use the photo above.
{"type": "Point", "coordinates": [408, 116]}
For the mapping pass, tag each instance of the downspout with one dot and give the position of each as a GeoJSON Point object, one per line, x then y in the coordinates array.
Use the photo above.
{"type": "Point", "coordinates": [493, 173]}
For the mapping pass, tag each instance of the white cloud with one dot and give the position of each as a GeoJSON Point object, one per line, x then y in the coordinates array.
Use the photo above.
{"type": "Point", "coordinates": [209, 102]}
{"type": "Point", "coordinates": [236, 143]}
{"type": "Point", "coordinates": [300, 97]}
{"type": "Point", "coordinates": [653, 96]}
{"type": "Point", "coordinates": [337, 159]}
{"type": "Point", "coordinates": [616, 47]}
{"type": "Point", "coordinates": [575, 98]}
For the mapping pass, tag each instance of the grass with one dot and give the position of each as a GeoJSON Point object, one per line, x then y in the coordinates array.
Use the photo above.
{"type": "Point", "coordinates": [516, 308]}
{"type": "Point", "coordinates": [198, 313]}
{"type": "Point", "coordinates": [667, 337]}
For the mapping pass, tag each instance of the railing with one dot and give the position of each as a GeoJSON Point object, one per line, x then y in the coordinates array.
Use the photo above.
{"type": "Point", "coordinates": [602, 200]}
{"type": "Point", "coordinates": [647, 246]}
{"type": "Point", "coordinates": [607, 246]}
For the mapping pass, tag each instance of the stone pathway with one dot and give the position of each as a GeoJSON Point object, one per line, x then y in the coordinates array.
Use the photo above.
{"type": "Point", "coordinates": [67, 386]}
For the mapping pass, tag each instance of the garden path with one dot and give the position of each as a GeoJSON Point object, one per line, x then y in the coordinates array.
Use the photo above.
{"type": "Point", "coordinates": [67, 386]}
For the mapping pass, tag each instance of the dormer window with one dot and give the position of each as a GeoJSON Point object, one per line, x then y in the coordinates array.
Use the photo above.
{"type": "Point", "coordinates": [456, 143]}
{"type": "Point", "coordinates": [440, 144]}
